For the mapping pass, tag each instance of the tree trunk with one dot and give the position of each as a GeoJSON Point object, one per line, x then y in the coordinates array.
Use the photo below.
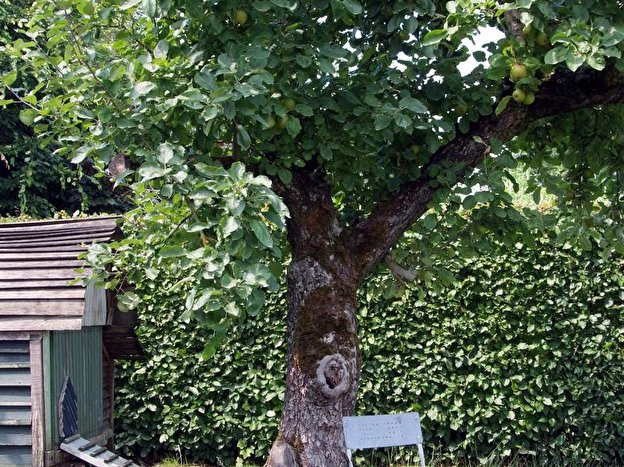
{"type": "Point", "coordinates": [328, 264]}
{"type": "Point", "coordinates": [323, 368]}
{"type": "Point", "coordinates": [323, 360]}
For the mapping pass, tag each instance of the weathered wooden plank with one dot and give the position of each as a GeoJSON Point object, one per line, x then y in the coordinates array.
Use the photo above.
{"type": "Point", "coordinates": [55, 457]}
{"type": "Point", "coordinates": [93, 454]}
{"type": "Point", "coordinates": [42, 236]}
{"type": "Point", "coordinates": [77, 249]}
{"type": "Point", "coordinates": [36, 392]}
{"type": "Point", "coordinates": [14, 422]}
{"type": "Point", "coordinates": [15, 377]}
{"type": "Point", "coordinates": [35, 264]}
{"type": "Point", "coordinates": [60, 227]}
{"type": "Point", "coordinates": [52, 252]}
{"type": "Point", "coordinates": [27, 308]}
{"type": "Point", "coordinates": [13, 456]}
{"type": "Point", "coordinates": [13, 365]}
{"type": "Point", "coordinates": [14, 404]}
{"type": "Point", "coordinates": [54, 243]}
{"type": "Point", "coordinates": [11, 357]}
{"type": "Point", "coordinates": [14, 336]}
{"type": "Point", "coordinates": [40, 273]}
{"type": "Point", "coordinates": [18, 395]}
{"type": "Point", "coordinates": [95, 309]}
{"type": "Point", "coordinates": [22, 256]}
{"type": "Point", "coordinates": [36, 323]}
{"type": "Point", "coordinates": [15, 436]}
{"type": "Point", "coordinates": [47, 293]}
{"type": "Point", "coordinates": [15, 344]}
{"type": "Point", "coordinates": [35, 284]}
{"type": "Point", "coordinates": [60, 224]}
{"type": "Point", "coordinates": [15, 413]}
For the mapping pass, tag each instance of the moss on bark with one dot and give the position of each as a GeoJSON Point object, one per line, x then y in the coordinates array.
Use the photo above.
{"type": "Point", "coordinates": [324, 326]}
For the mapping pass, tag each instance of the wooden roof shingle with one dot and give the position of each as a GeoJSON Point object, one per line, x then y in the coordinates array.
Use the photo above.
{"type": "Point", "coordinates": [38, 262]}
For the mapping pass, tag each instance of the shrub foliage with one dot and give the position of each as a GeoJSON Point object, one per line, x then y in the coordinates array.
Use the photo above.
{"type": "Point", "coordinates": [523, 355]}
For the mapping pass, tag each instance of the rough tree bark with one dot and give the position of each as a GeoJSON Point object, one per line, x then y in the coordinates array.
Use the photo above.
{"type": "Point", "coordinates": [329, 263]}
{"type": "Point", "coordinates": [323, 358]}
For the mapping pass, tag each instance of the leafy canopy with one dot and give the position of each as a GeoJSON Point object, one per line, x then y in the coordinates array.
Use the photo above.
{"type": "Point", "coordinates": [195, 93]}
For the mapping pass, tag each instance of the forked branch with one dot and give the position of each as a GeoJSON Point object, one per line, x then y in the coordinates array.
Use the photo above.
{"type": "Point", "coordinates": [370, 240]}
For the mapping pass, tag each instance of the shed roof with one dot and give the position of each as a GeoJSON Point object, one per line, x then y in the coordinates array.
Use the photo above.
{"type": "Point", "coordinates": [38, 260]}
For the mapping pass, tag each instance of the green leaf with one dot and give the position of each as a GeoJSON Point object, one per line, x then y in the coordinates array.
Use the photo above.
{"type": "Point", "coordinates": [161, 49]}
{"type": "Point", "coordinates": [285, 175]}
{"type": "Point", "coordinates": [10, 78]}
{"type": "Point", "coordinates": [172, 251]}
{"type": "Point", "coordinates": [303, 61]}
{"type": "Point", "coordinates": [412, 104]}
{"type": "Point", "coordinates": [81, 154]}
{"type": "Point", "coordinates": [166, 191]}
{"type": "Point", "coordinates": [446, 276]}
{"type": "Point", "coordinates": [326, 66]}
{"type": "Point", "coordinates": [232, 309]}
{"type": "Point", "coordinates": [165, 153]}
{"type": "Point", "coordinates": [352, 6]}
{"type": "Point", "coordinates": [261, 232]}
{"type": "Point", "coordinates": [574, 60]}
{"type": "Point", "coordinates": [597, 62]}
{"type": "Point", "coordinates": [469, 202]}
{"type": "Point", "coordinates": [129, 4]}
{"type": "Point", "coordinates": [502, 105]}
{"type": "Point", "coordinates": [304, 110]}
{"type": "Point", "coordinates": [555, 55]}
{"type": "Point", "coordinates": [293, 126]}
{"type": "Point", "coordinates": [243, 137]}
{"type": "Point", "coordinates": [326, 152]}
{"type": "Point", "coordinates": [148, 171]}
{"type": "Point", "coordinates": [333, 52]}
{"type": "Point", "coordinates": [231, 225]}
{"type": "Point", "coordinates": [434, 36]}
{"type": "Point", "coordinates": [262, 6]}
{"type": "Point", "coordinates": [149, 6]}
{"type": "Point", "coordinates": [382, 121]}
{"type": "Point", "coordinates": [430, 221]}
{"type": "Point", "coordinates": [142, 88]}
{"type": "Point", "coordinates": [27, 116]}
{"type": "Point", "coordinates": [289, 4]}
{"type": "Point", "coordinates": [129, 300]}
{"type": "Point", "coordinates": [402, 120]}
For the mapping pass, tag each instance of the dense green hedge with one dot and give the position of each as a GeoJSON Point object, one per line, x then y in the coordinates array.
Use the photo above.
{"type": "Point", "coordinates": [524, 355]}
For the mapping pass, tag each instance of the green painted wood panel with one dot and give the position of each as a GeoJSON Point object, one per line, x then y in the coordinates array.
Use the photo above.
{"type": "Point", "coordinates": [15, 416]}
{"type": "Point", "coordinates": [77, 354]}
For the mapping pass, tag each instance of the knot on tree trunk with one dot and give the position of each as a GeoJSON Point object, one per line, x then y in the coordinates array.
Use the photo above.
{"type": "Point", "coordinates": [332, 375]}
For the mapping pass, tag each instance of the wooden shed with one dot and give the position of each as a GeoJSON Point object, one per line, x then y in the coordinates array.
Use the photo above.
{"type": "Point", "coordinates": [55, 339]}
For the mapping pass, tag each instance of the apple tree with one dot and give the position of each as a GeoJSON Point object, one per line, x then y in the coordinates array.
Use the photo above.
{"type": "Point", "coordinates": [339, 135]}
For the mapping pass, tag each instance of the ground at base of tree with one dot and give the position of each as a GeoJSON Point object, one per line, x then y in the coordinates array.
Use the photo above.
{"type": "Point", "coordinates": [436, 461]}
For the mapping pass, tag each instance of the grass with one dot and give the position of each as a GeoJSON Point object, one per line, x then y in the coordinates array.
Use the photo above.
{"type": "Point", "coordinates": [171, 462]}
{"type": "Point", "coordinates": [386, 458]}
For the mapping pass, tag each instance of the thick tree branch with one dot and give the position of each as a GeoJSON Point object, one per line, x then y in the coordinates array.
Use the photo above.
{"type": "Point", "coordinates": [398, 270]}
{"type": "Point", "coordinates": [370, 240]}
{"type": "Point", "coordinates": [514, 25]}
